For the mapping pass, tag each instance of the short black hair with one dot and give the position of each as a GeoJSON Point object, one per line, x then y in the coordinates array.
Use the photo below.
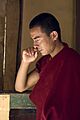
{"type": "Point", "coordinates": [47, 22]}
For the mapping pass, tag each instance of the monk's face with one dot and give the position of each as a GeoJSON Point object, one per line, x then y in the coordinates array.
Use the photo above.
{"type": "Point", "coordinates": [44, 43]}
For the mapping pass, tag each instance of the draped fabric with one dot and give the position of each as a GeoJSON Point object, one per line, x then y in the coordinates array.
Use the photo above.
{"type": "Point", "coordinates": [57, 93]}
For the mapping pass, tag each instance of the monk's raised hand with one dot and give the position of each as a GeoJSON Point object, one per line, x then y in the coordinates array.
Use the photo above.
{"type": "Point", "coordinates": [29, 55]}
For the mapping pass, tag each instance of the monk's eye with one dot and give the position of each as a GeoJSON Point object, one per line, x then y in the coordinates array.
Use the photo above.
{"type": "Point", "coordinates": [37, 40]}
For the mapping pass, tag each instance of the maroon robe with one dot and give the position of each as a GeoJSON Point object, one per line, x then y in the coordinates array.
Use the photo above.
{"type": "Point", "coordinates": [57, 93]}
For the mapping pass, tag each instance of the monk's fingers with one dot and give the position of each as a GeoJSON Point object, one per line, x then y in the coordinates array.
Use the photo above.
{"type": "Point", "coordinates": [29, 51]}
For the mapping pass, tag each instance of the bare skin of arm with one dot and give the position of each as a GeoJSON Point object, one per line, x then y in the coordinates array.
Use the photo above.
{"type": "Point", "coordinates": [24, 80]}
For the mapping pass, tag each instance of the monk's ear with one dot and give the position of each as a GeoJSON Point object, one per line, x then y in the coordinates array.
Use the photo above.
{"type": "Point", "coordinates": [54, 35]}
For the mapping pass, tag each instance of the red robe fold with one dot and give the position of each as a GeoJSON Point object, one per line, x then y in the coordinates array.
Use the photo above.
{"type": "Point", "coordinates": [57, 93]}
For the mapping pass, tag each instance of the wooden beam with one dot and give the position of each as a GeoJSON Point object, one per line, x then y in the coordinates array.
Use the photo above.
{"type": "Point", "coordinates": [2, 24]}
{"type": "Point", "coordinates": [78, 25]}
{"type": "Point", "coordinates": [11, 44]}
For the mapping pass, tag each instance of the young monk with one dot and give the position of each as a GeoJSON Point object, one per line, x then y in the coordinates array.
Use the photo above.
{"type": "Point", "coordinates": [56, 77]}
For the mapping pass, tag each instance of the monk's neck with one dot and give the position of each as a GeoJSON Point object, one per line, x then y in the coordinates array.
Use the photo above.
{"type": "Point", "coordinates": [58, 47]}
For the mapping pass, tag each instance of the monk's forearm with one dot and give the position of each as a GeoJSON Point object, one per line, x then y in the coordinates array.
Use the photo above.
{"type": "Point", "coordinates": [21, 77]}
